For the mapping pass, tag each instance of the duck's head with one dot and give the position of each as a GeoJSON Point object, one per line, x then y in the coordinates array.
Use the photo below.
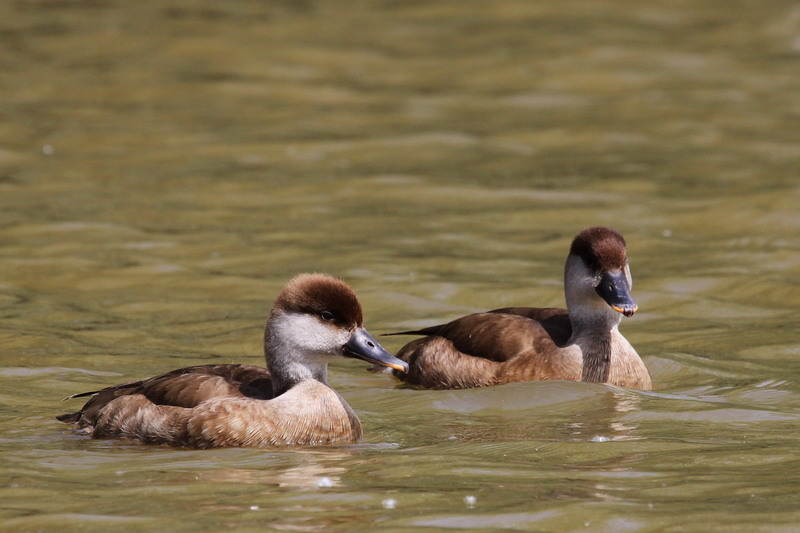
{"type": "Point", "coordinates": [597, 272]}
{"type": "Point", "coordinates": [317, 317]}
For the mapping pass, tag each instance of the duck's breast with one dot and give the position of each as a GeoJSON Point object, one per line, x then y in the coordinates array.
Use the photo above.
{"type": "Point", "coordinates": [308, 413]}
{"type": "Point", "coordinates": [627, 368]}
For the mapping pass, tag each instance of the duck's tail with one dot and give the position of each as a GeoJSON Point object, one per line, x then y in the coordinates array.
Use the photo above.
{"type": "Point", "coordinates": [70, 418]}
{"type": "Point", "coordinates": [73, 418]}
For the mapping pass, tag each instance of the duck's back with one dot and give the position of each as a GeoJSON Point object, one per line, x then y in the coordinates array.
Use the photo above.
{"type": "Point", "coordinates": [217, 405]}
{"type": "Point", "coordinates": [184, 387]}
{"type": "Point", "coordinates": [500, 346]}
{"type": "Point", "coordinates": [554, 320]}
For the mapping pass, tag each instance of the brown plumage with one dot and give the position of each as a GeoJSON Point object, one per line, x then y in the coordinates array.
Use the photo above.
{"type": "Point", "coordinates": [315, 318]}
{"type": "Point", "coordinates": [600, 248]}
{"type": "Point", "coordinates": [528, 344]}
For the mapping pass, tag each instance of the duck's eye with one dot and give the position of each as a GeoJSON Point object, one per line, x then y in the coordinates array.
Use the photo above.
{"type": "Point", "coordinates": [327, 316]}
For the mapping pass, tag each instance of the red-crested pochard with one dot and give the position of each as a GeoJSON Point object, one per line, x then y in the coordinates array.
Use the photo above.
{"type": "Point", "coordinates": [315, 319]}
{"type": "Point", "coordinates": [581, 343]}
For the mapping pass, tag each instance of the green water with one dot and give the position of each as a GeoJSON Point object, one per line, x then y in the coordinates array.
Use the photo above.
{"type": "Point", "coordinates": [165, 167]}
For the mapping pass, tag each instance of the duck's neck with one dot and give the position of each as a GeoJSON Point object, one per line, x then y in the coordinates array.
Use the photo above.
{"type": "Point", "coordinates": [594, 323]}
{"type": "Point", "coordinates": [594, 330]}
{"type": "Point", "coordinates": [288, 365]}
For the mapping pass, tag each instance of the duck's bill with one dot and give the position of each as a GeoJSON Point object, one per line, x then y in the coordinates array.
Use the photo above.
{"type": "Point", "coordinates": [616, 291]}
{"type": "Point", "coordinates": [363, 346]}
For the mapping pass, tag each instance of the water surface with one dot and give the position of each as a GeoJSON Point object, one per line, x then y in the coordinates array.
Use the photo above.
{"type": "Point", "coordinates": [166, 167]}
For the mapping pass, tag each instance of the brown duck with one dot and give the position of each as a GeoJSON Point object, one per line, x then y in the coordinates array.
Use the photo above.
{"type": "Point", "coordinates": [315, 319]}
{"type": "Point", "coordinates": [581, 343]}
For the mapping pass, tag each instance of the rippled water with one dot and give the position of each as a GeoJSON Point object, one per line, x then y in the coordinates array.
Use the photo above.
{"type": "Point", "coordinates": [166, 167]}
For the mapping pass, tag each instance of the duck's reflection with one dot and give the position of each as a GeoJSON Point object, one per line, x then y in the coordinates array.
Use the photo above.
{"type": "Point", "coordinates": [299, 469]}
{"type": "Point", "coordinates": [598, 417]}
{"type": "Point", "coordinates": [604, 421]}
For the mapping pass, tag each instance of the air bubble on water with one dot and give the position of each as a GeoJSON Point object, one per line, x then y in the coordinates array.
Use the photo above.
{"type": "Point", "coordinates": [470, 500]}
{"type": "Point", "coordinates": [600, 438]}
{"type": "Point", "coordinates": [389, 503]}
{"type": "Point", "coordinates": [324, 482]}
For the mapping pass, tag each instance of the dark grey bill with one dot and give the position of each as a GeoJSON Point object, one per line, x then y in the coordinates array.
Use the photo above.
{"type": "Point", "coordinates": [362, 345]}
{"type": "Point", "coordinates": [614, 289]}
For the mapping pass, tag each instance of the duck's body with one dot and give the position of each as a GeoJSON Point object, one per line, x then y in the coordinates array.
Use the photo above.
{"type": "Point", "coordinates": [529, 344]}
{"type": "Point", "coordinates": [315, 318]}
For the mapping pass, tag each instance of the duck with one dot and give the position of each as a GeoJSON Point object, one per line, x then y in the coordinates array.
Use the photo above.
{"type": "Point", "coordinates": [579, 343]}
{"type": "Point", "coordinates": [315, 319]}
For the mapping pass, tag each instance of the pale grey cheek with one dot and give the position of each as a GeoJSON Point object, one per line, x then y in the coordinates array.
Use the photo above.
{"type": "Point", "coordinates": [306, 332]}
{"type": "Point", "coordinates": [322, 337]}
{"type": "Point", "coordinates": [342, 337]}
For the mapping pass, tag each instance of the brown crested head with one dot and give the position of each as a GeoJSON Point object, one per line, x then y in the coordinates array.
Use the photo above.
{"type": "Point", "coordinates": [324, 296]}
{"type": "Point", "coordinates": [600, 248]}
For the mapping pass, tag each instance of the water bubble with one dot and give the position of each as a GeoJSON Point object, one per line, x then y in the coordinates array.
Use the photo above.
{"type": "Point", "coordinates": [254, 507]}
{"type": "Point", "coordinates": [389, 503]}
{"type": "Point", "coordinates": [667, 233]}
{"type": "Point", "coordinates": [600, 438]}
{"type": "Point", "coordinates": [48, 149]}
{"type": "Point", "coordinates": [470, 500]}
{"type": "Point", "coordinates": [324, 482]}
